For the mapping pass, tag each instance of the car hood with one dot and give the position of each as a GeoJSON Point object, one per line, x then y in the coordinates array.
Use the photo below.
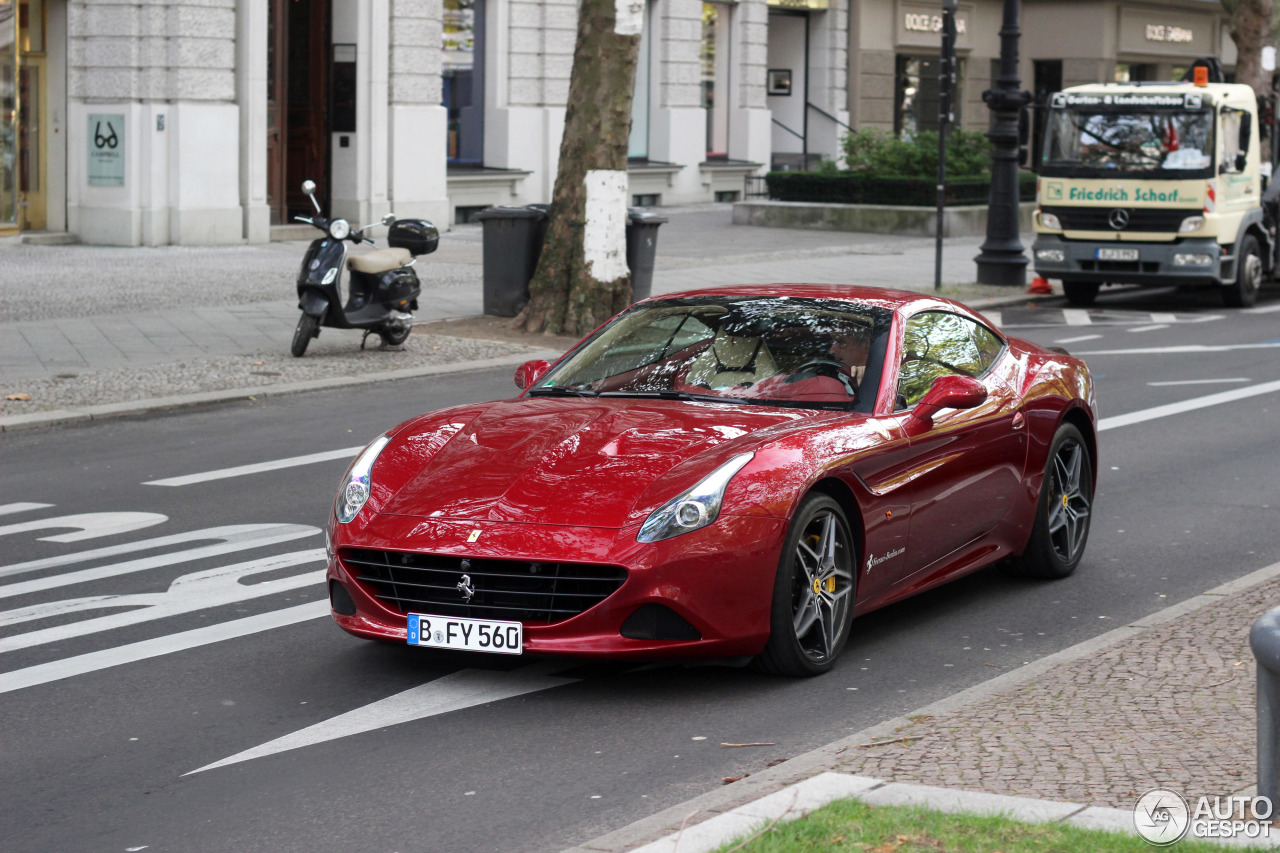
{"type": "Point", "coordinates": [557, 461]}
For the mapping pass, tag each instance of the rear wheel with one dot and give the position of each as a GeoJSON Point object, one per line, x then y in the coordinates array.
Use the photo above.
{"type": "Point", "coordinates": [308, 328]}
{"type": "Point", "coordinates": [1080, 292]}
{"type": "Point", "coordinates": [1243, 292]}
{"type": "Point", "coordinates": [813, 594]}
{"type": "Point", "coordinates": [1062, 514]}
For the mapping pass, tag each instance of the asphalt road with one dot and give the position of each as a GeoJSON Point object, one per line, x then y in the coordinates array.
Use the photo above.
{"type": "Point", "coordinates": [120, 682]}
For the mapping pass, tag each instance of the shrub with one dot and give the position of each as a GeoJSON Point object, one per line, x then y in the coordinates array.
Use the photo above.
{"type": "Point", "coordinates": [882, 154]}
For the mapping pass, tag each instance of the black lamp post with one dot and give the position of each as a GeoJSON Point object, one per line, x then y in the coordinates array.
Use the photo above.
{"type": "Point", "coordinates": [1002, 260]}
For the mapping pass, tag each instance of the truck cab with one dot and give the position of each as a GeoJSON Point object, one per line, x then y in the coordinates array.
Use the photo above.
{"type": "Point", "coordinates": [1153, 184]}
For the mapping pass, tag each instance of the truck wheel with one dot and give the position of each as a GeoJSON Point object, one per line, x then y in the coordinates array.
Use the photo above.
{"type": "Point", "coordinates": [1080, 292]}
{"type": "Point", "coordinates": [1243, 292]}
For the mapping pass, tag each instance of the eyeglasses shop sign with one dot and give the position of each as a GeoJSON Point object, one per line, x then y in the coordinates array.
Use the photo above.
{"type": "Point", "coordinates": [920, 24]}
{"type": "Point", "coordinates": [105, 139]}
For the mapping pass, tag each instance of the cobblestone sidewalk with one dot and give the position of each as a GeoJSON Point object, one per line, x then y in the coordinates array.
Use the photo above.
{"type": "Point", "coordinates": [1170, 707]}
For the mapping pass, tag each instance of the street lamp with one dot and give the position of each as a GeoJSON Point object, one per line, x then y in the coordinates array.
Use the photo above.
{"type": "Point", "coordinates": [1001, 260]}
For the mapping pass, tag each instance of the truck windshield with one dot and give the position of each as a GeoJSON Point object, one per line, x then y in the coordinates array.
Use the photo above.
{"type": "Point", "coordinates": [1170, 144]}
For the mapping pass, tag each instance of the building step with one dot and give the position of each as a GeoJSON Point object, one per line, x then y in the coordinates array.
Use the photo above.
{"type": "Point", "coordinates": [49, 238]}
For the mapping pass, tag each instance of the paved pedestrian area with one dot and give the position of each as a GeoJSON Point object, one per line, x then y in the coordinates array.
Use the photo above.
{"type": "Point", "coordinates": [1171, 707]}
{"type": "Point", "coordinates": [85, 326]}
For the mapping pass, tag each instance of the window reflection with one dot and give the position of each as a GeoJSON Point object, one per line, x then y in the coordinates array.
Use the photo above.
{"type": "Point", "coordinates": [936, 344]}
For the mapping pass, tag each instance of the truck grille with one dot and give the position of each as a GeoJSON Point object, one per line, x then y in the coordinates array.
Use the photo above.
{"type": "Point", "coordinates": [1140, 219]}
{"type": "Point", "coordinates": [503, 589]}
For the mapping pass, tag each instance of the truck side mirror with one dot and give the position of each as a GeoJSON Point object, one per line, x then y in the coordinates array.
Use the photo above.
{"type": "Point", "coordinates": [1246, 130]}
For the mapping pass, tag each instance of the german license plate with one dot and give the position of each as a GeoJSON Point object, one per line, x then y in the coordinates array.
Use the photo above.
{"type": "Point", "coordinates": [1117, 254]}
{"type": "Point", "coordinates": [466, 635]}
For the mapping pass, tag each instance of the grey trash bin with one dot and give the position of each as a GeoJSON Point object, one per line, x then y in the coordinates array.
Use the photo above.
{"type": "Point", "coordinates": [512, 245]}
{"type": "Point", "coordinates": [642, 248]}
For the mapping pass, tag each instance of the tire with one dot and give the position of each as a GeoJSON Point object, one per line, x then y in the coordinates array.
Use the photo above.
{"type": "Point", "coordinates": [308, 328]}
{"type": "Point", "coordinates": [1243, 292]}
{"type": "Point", "coordinates": [393, 337]}
{"type": "Point", "coordinates": [1063, 511]}
{"type": "Point", "coordinates": [808, 630]}
{"type": "Point", "coordinates": [1080, 292]}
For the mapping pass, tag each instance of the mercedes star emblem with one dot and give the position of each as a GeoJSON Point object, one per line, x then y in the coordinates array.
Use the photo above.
{"type": "Point", "coordinates": [1119, 219]}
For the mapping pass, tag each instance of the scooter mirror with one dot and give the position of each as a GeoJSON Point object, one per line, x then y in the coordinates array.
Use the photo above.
{"type": "Point", "coordinates": [308, 187]}
{"type": "Point", "coordinates": [388, 219]}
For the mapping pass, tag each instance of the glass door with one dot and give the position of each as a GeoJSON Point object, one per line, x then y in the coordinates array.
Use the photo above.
{"type": "Point", "coordinates": [32, 171]}
{"type": "Point", "coordinates": [8, 116]}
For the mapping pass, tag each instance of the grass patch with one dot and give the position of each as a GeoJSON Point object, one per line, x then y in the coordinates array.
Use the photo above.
{"type": "Point", "coordinates": [853, 826]}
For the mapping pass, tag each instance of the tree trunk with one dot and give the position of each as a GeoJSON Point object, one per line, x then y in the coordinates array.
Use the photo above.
{"type": "Point", "coordinates": [1250, 26]}
{"type": "Point", "coordinates": [582, 277]}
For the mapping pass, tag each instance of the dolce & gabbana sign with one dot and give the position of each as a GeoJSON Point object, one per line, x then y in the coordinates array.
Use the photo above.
{"type": "Point", "coordinates": [920, 24]}
{"type": "Point", "coordinates": [1169, 33]}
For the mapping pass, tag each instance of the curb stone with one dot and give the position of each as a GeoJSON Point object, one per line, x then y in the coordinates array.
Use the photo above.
{"type": "Point", "coordinates": [711, 805]}
{"type": "Point", "coordinates": [137, 407]}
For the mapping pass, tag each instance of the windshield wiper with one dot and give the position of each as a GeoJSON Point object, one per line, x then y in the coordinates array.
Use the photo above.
{"type": "Point", "coordinates": [561, 391]}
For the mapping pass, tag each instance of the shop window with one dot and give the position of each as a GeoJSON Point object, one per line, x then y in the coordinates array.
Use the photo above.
{"type": "Point", "coordinates": [638, 143]}
{"type": "Point", "coordinates": [8, 118]}
{"type": "Point", "coordinates": [463, 79]}
{"type": "Point", "coordinates": [917, 95]}
{"type": "Point", "coordinates": [715, 76]}
{"type": "Point", "coordinates": [1133, 72]}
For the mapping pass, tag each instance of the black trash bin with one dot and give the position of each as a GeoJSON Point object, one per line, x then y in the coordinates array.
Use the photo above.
{"type": "Point", "coordinates": [512, 245]}
{"type": "Point", "coordinates": [642, 248]}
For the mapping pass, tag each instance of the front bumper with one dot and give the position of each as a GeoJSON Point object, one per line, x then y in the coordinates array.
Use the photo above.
{"type": "Point", "coordinates": [1155, 264]}
{"type": "Point", "coordinates": [718, 579]}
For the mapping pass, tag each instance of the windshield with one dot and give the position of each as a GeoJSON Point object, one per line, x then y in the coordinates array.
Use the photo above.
{"type": "Point", "coordinates": [783, 351]}
{"type": "Point", "coordinates": [1174, 144]}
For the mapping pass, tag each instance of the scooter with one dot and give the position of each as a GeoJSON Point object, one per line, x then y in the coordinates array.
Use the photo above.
{"type": "Point", "coordinates": [382, 288]}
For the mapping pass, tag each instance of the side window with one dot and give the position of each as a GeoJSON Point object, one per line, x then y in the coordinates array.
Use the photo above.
{"type": "Point", "coordinates": [936, 344]}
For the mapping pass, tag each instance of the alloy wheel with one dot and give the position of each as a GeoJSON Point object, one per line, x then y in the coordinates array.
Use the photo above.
{"type": "Point", "coordinates": [1069, 507]}
{"type": "Point", "coordinates": [822, 586]}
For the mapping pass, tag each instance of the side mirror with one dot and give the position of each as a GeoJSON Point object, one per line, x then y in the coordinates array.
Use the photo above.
{"type": "Point", "coordinates": [1241, 158]}
{"type": "Point", "coordinates": [946, 392]}
{"type": "Point", "coordinates": [1246, 131]}
{"type": "Point", "coordinates": [530, 372]}
{"type": "Point", "coordinates": [308, 187]}
{"type": "Point", "coordinates": [388, 219]}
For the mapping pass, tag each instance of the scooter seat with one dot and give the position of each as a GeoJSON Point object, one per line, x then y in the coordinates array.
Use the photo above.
{"type": "Point", "coordinates": [379, 261]}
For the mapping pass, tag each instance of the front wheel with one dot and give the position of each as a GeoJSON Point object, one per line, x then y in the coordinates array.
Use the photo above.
{"type": "Point", "coordinates": [394, 336]}
{"type": "Point", "coordinates": [812, 605]}
{"type": "Point", "coordinates": [1243, 292]}
{"type": "Point", "coordinates": [1080, 292]}
{"type": "Point", "coordinates": [308, 328]}
{"type": "Point", "coordinates": [1063, 511]}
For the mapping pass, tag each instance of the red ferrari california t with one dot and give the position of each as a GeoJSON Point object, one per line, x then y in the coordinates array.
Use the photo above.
{"type": "Point", "coordinates": [725, 473]}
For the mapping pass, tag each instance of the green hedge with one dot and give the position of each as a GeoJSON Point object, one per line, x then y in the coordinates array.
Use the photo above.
{"type": "Point", "coordinates": [862, 188]}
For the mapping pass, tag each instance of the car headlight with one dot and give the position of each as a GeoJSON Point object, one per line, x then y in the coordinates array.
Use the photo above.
{"type": "Point", "coordinates": [339, 229]}
{"type": "Point", "coordinates": [695, 508]}
{"type": "Point", "coordinates": [354, 490]}
{"type": "Point", "coordinates": [1191, 223]}
{"type": "Point", "coordinates": [1050, 220]}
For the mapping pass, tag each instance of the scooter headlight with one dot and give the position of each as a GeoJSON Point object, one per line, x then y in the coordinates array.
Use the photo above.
{"type": "Point", "coordinates": [354, 489]}
{"type": "Point", "coordinates": [339, 229]}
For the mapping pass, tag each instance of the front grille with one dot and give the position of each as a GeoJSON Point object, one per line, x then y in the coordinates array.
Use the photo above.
{"type": "Point", "coordinates": [504, 589]}
{"type": "Point", "coordinates": [1140, 219]}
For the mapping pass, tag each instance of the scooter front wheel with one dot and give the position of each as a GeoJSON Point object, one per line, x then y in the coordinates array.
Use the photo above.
{"type": "Point", "coordinates": [308, 328]}
{"type": "Point", "coordinates": [394, 335]}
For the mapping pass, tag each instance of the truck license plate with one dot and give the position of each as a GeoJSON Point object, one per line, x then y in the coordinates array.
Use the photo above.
{"type": "Point", "coordinates": [467, 635]}
{"type": "Point", "coordinates": [1117, 254]}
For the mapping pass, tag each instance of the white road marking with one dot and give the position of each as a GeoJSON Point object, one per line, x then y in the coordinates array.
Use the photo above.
{"type": "Point", "coordinates": [9, 509]}
{"type": "Point", "coordinates": [1267, 309]}
{"type": "Point", "coordinates": [1148, 328]}
{"type": "Point", "coordinates": [1187, 406]}
{"type": "Point", "coordinates": [463, 689]}
{"type": "Point", "coordinates": [1198, 381]}
{"type": "Point", "coordinates": [1077, 317]}
{"type": "Point", "coordinates": [1183, 349]}
{"type": "Point", "coordinates": [258, 467]}
{"type": "Point", "coordinates": [90, 525]}
{"type": "Point", "coordinates": [1163, 317]}
{"type": "Point", "coordinates": [1078, 339]}
{"type": "Point", "coordinates": [93, 661]}
{"type": "Point", "coordinates": [187, 594]}
{"type": "Point", "coordinates": [240, 537]}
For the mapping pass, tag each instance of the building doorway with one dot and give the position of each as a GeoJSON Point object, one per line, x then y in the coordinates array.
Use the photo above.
{"type": "Point", "coordinates": [297, 106]}
{"type": "Point", "coordinates": [32, 111]}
